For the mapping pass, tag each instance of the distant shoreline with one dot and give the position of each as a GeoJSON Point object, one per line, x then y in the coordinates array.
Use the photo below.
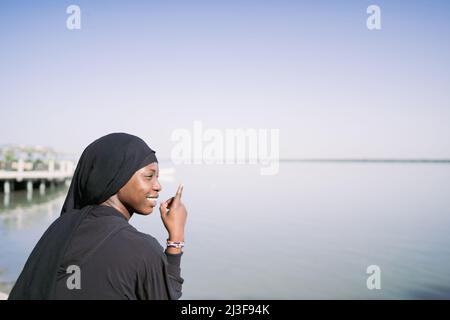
{"type": "Point", "coordinates": [356, 160]}
{"type": "Point", "coordinates": [368, 160]}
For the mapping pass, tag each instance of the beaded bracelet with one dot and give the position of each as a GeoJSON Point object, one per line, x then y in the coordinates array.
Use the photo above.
{"type": "Point", "coordinates": [175, 244]}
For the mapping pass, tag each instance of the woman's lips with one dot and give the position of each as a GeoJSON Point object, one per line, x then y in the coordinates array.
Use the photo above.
{"type": "Point", "coordinates": [153, 200]}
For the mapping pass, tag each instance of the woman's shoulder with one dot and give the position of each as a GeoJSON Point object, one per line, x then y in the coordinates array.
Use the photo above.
{"type": "Point", "coordinates": [128, 235]}
{"type": "Point", "coordinates": [139, 242]}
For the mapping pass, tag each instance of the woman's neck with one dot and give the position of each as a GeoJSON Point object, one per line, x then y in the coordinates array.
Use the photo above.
{"type": "Point", "coordinates": [115, 203]}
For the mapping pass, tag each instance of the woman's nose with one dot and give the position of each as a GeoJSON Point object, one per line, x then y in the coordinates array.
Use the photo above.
{"type": "Point", "coordinates": [157, 186]}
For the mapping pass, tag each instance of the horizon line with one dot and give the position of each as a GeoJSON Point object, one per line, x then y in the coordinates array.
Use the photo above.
{"type": "Point", "coordinates": [374, 160]}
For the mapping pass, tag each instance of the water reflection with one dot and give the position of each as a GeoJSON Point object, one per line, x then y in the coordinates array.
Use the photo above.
{"type": "Point", "coordinates": [6, 200]}
{"type": "Point", "coordinates": [23, 219]}
{"type": "Point", "coordinates": [21, 208]}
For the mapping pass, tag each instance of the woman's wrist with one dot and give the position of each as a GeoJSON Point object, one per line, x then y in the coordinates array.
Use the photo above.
{"type": "Point", "coordinates": [176, 237]}
{"type": "Point", "coordinates": [175, 243]}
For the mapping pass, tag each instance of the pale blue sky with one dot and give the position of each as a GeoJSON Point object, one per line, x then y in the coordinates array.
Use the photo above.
{"type": "Point", "coordinates": [309, 68]}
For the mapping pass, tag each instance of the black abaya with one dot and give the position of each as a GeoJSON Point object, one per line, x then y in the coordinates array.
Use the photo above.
{"type": "Point", "coordinates": [115, 260]}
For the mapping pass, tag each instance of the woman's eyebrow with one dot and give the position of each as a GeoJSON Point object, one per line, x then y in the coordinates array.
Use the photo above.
{"type": "Point", "coordinates": [151, 171]}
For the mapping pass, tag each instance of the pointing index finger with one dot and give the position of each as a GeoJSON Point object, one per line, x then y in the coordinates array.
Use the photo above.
{"type": "Point", "coordinates": [179, 192]}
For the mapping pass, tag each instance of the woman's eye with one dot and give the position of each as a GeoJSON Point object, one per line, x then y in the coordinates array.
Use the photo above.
{"type": "Point", "coordinates": [149, 177]}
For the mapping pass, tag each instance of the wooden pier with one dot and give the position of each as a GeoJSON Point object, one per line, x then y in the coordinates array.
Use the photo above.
{"type": "Point", "coordinates": [61, 174]}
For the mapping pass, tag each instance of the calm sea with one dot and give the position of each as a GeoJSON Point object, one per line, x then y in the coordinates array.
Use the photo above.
{"type": "Point", "coordinates": [311, 231]}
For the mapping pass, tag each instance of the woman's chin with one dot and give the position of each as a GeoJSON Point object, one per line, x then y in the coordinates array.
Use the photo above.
{"type": "Point", "coordinates": [148, 211]}
{"type": "Point", "coordinates": [145, 211]}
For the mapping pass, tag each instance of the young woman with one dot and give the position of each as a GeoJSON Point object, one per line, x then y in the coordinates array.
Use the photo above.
{"type": "Point", "coordinates": [91, 251]}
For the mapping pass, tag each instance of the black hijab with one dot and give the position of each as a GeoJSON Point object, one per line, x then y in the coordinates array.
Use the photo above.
{"type": "Point", "coordinates": [105, 166]}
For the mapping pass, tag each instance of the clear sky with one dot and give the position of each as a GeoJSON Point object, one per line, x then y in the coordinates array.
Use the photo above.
{"type": "Point", "coordinates": [309, 68]}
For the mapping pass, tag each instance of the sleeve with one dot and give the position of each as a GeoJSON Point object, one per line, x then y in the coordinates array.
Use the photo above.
{"type": "Point", "coordinates": [161, 277]}
{"type": "Point", "coordinates": [174, 274]}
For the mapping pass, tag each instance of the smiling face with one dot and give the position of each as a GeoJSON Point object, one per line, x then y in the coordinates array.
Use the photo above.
{"type": "Point", "coordinates": [140, 193]}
